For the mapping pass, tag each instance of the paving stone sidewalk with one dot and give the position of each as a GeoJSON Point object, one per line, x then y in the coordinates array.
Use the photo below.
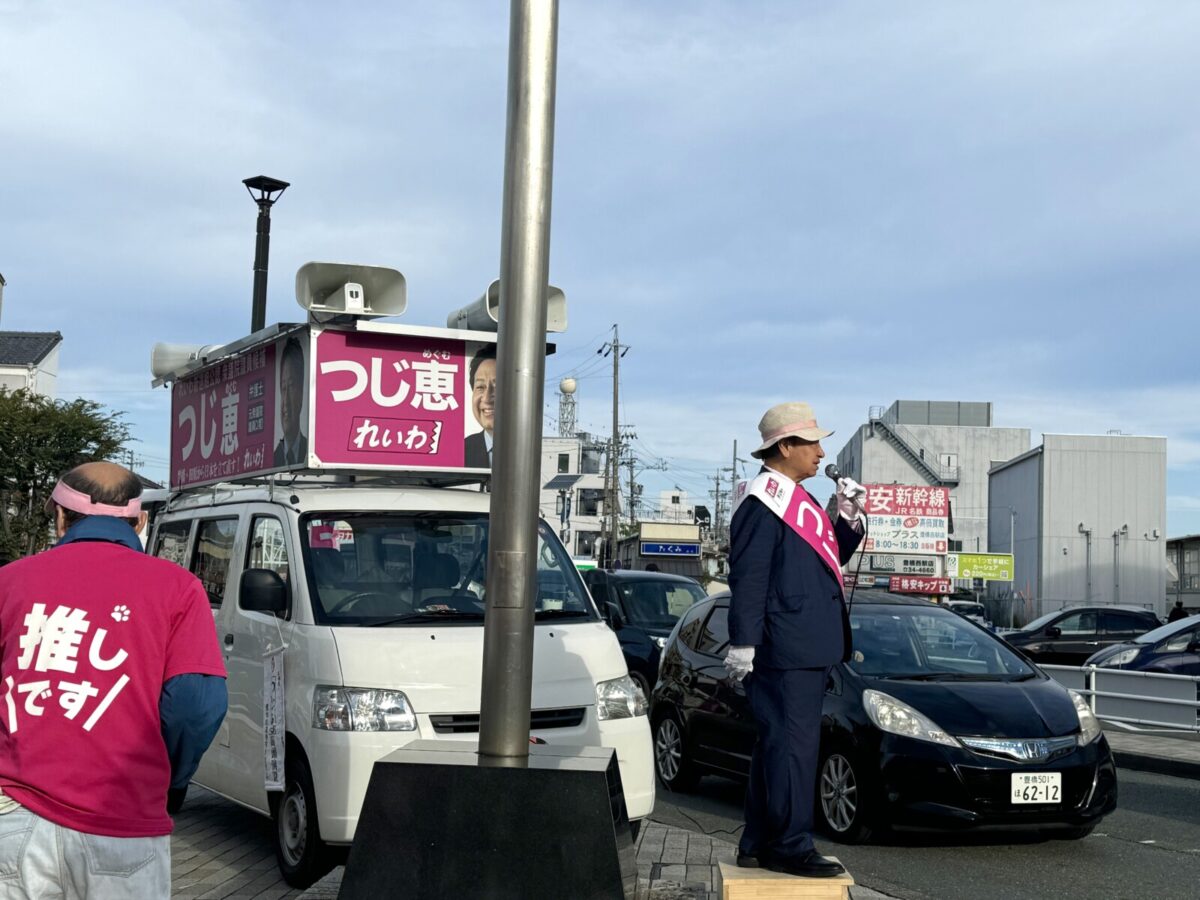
{"type": "Point", "coordinates": [673, 864]}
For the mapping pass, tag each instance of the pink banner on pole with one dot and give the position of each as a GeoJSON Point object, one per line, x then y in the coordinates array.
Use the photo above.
{"type": "Point", "coordinates": [386, 399]}
{"type": "Point", "coordinates": [223, 420]}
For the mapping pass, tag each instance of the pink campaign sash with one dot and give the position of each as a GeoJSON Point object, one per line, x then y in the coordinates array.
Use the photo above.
{"type": "Point", "coordinates": [799, 512]}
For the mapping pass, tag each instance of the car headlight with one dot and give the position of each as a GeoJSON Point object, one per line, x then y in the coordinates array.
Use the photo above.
{"type": "Point", "coordinates": [1089, 725]}
{"type": "Point", "coordinates": [361, 709]}
{"type": "Point", "coordinates": [620, 698]}
{"type": "Point", "coordinates": [895, 717]}
{"type": "Point", "coordinates": [1125, 656]}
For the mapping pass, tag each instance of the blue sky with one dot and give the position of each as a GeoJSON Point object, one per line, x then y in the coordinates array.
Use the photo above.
{"type": "Point", "coordinates": [847, 203]}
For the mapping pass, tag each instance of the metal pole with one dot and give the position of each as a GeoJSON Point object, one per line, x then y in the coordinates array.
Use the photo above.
{"type": "Point", "coordinates": [520, 372]}
{"type": "Point", "coordinates": [614, 518]}
{"type": "Point", "coordinates": [262, 249]}
{"type": "Point", "coordinates": [1116, 567]}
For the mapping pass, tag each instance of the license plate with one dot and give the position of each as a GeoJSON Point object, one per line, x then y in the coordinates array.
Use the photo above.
{"type": "Point", "coordinates": [1037, 787]}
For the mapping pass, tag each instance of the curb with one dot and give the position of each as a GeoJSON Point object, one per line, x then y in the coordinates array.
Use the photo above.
{"type": "Point", "coordinates": [1159, 765]}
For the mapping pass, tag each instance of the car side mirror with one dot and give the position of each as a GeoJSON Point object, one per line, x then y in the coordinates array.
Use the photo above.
{"type": "Point", "coordinates": [1193, 647]}
{"type": "Point", "coordinates": [614, 616]}
{"type": "Point", "coordinates": [262, 590]}
{"type": "Point", "coordinates": [1053, 631]}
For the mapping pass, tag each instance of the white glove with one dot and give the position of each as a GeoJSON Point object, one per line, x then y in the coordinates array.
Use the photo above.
{"type": "Point", "coordinates": [739, 662]}
{"type": "Point", "coordinates": [851, 496]}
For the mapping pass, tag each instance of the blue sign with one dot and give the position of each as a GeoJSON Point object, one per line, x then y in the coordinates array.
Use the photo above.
{"type": "Point", "coordinates": [658, 549]}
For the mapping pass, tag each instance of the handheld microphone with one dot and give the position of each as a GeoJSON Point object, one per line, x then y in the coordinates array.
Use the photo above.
{"type": "Point", "coordinates": [832, 472]}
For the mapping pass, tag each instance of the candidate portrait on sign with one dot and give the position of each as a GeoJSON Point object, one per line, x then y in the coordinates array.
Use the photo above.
{"type": "Point", "coordinates": [291, 446]}
{"type": "Point", "coordinates": [477, 447]}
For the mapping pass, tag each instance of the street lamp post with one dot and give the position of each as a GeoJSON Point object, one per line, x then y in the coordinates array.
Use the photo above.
{"type": "Point", "coordinates": [269, 190]}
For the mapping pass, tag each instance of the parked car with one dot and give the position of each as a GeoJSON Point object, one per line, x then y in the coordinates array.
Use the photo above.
{"type": "Point", "coordinates": [1173, 648]}
{"type": "Point", "coordinates": [970, 609]}
{"type": "Point", "coordinates": [935, 723]}
{"type": "Point", "coordinates": [642, 608]}
{"type": "Point", "coordinates": [1069, 636]}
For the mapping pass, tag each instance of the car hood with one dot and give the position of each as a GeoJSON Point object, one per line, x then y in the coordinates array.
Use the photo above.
{"type": "Point", "coordinates": [440, 669]}
{"type": "Point", "coordinates": [1011, 709]}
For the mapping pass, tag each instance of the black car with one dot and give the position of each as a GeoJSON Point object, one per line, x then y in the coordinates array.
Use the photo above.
{"type": "Point", "coordinates": [935, 723]}
{"type": "Point", "coordinates": [1068, 637]}
{"type": "Point", "coordinates": [642, 608]}
{"type": "Point", "coordinates": [1173, 649]}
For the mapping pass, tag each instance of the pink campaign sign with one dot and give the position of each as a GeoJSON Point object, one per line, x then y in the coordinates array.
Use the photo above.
{"type": "Point", "coordinates": [223, 420]}
{"type": "Point", "coordinates": [389, 400]}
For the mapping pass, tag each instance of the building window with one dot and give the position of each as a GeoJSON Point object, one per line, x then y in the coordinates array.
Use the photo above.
{"type": "Point", "coordinates": [954, 546]}
{"type": "Point", "coordinates": [564, 463]}
{"type": "Point", "coordinates": [585, 543]}
{"type": "Point", "coordinates": [589, 502]}
{"type": "Point", "coordinates": [674, 499]}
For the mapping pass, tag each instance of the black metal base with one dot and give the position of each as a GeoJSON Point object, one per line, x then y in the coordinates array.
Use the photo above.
{"type": "Point", "coordinates": [440, 821]}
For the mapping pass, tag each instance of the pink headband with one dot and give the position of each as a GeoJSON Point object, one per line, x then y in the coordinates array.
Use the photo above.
{"type": "Point", "coordinates": [788, 429]}
{"type": "Point", "coordinates": [77, 501]}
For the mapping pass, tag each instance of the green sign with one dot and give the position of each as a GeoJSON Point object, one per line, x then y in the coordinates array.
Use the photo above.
{"type": "Point", "coordinates": [584, 565]}
{"type": "Point", "coordinates": [988, 566]}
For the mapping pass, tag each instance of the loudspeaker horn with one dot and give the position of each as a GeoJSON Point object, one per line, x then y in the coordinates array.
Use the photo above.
{"type": "Point", "coordinates": [168, 358]}
{"type": "Point", "coordinates": [328, 290]}
{"type": "Point", "coordinates": [484, 313]}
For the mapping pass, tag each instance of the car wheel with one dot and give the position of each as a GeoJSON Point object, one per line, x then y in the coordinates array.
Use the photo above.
{"type": "Point", "coordinates": [675, 770]}
{"type": "Point", "coordinates": [844, 802]}
{"type": "Point", "coordinates": [303, 857]}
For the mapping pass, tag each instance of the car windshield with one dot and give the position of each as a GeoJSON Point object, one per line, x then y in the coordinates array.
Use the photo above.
{"type": "Point", "coordinates": [657, 602]}
{"type": "Point", "coordinates": [968, 609]}
{"type": "Point", "coordinates": [378, 568]}
{"type": "Point", "coordinates": [1165, 631]}
{"type": "Point", "coordinates": [929, 644]}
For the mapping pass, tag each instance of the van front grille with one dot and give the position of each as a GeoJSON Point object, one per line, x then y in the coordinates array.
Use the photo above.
{"type": "Point", "coordinates": [539, 720]}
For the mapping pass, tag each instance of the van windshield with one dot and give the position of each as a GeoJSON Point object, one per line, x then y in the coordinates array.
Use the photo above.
{"type": "Point", "coordinates": [385, 569]}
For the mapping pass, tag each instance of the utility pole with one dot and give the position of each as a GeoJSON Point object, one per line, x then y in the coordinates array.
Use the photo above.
{"type": "Point", "coordinates": [718, 509]}
{"type": "Point", "coordinates": [613, 495]}
{"type": "Point", "coordinates": [733, 480]}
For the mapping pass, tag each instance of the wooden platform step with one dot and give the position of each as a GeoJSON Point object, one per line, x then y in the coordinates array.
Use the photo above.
{"type": "Point", "coordinates": [763, 884]}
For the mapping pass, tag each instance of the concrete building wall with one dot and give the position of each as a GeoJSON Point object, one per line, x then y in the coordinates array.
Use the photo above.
{"type": "Point", "coordinates": [1014, 515]}
{"type": "Point", "coordinates": [869, 457]}
{"type": "Point", "coordinates": [1115, 485]}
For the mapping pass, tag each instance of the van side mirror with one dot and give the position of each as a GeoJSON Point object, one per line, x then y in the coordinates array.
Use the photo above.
{"type": "Point", "coordinates": [1053, 632]}
{"type": "Point", "coordinates": [262, 590]}
{"type": "Point", "coordinates": [614, 616]}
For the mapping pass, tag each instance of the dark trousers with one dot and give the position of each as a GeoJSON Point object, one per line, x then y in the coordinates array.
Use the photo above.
{"type": "Point", "coordinates": [786, 704]}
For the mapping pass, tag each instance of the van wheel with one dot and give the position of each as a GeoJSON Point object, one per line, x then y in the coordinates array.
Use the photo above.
{"type": "Point", "coordinates": [302, 856]}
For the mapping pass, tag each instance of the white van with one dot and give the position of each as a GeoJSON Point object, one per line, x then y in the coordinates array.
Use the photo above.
{"type": "Point", "coordinates": [376, 595]}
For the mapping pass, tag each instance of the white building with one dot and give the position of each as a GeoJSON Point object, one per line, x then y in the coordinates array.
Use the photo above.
{"type": "Point", "coordinates": [675, 507]}
{"type": "Point", "coordinates": [940, 443]}
{"type": "Point", "coordinates": [1085, 517]}
{"type": "Point", "coordinates": [574, 501]}
{"type": "Point", "coordinates": [29, 361]}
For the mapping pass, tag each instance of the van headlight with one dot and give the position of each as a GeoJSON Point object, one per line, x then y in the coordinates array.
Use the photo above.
{"type": "Point", "coordinates": [361, 709]}
{"type": "Point", "coordinates": [1089, 725]}
{"type": "Point", "coordinates": [896, 717]}
{"type": "Point", "coordinates": [620, 698]}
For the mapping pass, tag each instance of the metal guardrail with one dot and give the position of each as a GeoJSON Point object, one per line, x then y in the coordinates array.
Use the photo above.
{"type": "Point", "coordinates": [1140, 698]}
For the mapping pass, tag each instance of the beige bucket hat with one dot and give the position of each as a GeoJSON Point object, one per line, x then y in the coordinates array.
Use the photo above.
{"type": "Point", "coordinates": [788, 420]}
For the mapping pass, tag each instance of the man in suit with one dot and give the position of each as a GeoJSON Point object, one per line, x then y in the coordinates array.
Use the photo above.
{"type": "Point", "coordinates": [477, 448]}
{"type": "Point", "coordinates": [292, 448]}
{"type": "Point", "coordinates": [787, 626]}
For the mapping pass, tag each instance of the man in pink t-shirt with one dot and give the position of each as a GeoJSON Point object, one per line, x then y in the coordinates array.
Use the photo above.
{"type": "Point", "coordinates": [111, 687]}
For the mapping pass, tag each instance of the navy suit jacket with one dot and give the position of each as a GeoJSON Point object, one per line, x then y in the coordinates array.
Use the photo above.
{"type": "Point", "coordinates": [475, 455]}
{"type": "Point", "coordinates": [786, 600]}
